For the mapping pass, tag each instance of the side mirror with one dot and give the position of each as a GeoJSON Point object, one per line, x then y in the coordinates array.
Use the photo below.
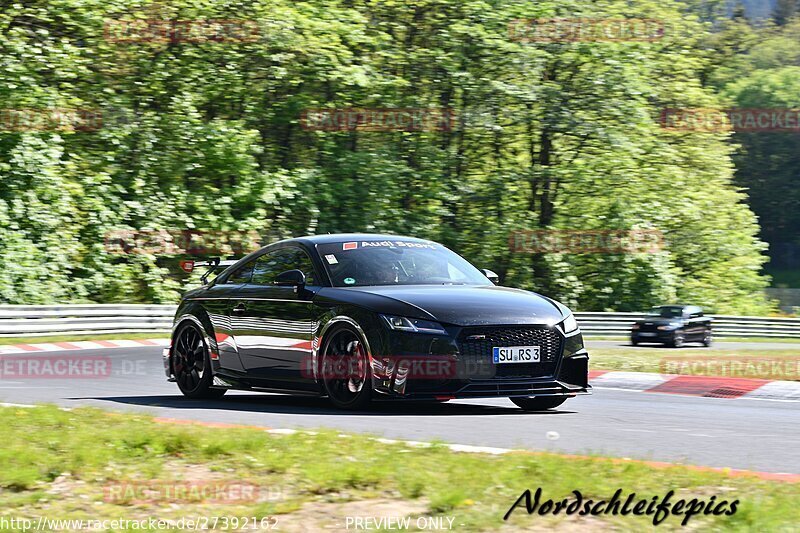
{"type": "Point", "coordinates": [290, 278]}
{"type": "Point", "coordinates": [494, 278]}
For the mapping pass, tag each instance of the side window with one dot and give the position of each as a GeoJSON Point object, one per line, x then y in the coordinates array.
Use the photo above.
{"type": "Point", "coordinates": [302, 262]}
{"type": "Point", "coordinates": [242, 275]}
{"type": "Point", "coordinates": [269, 265]}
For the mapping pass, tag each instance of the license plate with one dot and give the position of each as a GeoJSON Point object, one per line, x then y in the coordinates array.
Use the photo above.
{"type": "Point", "coordinates": [516, 354]}
{"type": "Point", "coordinates": [647, 334]}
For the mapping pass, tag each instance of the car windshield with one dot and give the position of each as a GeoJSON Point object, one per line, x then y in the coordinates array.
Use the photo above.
{"type": "Point", "coordinates": [396, 262]}
{"type": "Point", "coordinates": [666, 312]}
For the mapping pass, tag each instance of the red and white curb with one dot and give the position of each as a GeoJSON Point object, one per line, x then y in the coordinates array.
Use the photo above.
{"type": "Point", "coordinates": [704, 386]}
{"type": "Point", "coordinates": [80, 345]}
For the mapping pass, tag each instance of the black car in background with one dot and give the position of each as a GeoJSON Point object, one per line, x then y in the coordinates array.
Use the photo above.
{"type": "Point", "coordinates": [360, 317]}
{"type": "Point", "coordinates": [673, 325]}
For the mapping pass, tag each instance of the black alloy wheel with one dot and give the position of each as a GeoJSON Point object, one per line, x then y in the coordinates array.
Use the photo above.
{"type": "Point", "coordinates": [345, 371]}
{"type": "Point", "coordinates": [708, 338]}
{"type": "Point", "coordinates": [677, 339]}
{"type": "Point", "coordinates": [191, 364]}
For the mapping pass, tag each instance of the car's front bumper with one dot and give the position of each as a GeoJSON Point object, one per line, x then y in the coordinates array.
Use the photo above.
{"type": "Point", "coordinates": [571, 381]}
{"type": "Point", "coordinates": [165, 355]}
{"type": "Point", "coordinates": [447, 368]}
{"type": "Point", "coordinates": [661, 336]}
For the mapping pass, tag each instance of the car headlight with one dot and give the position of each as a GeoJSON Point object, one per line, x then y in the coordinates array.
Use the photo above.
{"type": "Point", "coordinates": [569, 324]}
{"type": "Point", "coordinates": [671, 325]}
{"type": "Point", "coordinates": [414, 325]}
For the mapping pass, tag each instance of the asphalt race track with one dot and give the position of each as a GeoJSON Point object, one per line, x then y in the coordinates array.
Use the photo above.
{"type": "Point", "coordinates": [740, 433]}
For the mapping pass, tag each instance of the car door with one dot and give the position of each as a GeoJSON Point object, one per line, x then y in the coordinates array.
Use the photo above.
{"type": "Point", "coordinates": [697, 323]}
{"type": "Point", "coordinates": [218, 302]}
{"type": "Point", "coordinates": [273, 325]}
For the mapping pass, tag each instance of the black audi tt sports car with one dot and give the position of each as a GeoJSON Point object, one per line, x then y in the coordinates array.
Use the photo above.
{"type": "Point", "coordinates": [361, 317]}
{"type": "Point", "coordinates": [673, 325]}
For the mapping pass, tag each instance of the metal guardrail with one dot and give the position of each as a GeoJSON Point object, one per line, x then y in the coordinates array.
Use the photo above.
{"type": "Point", "coordinates": [96, 319]}
{"type": "Point", "coordinates": [44, 320]}
{"type": "Point", "coordinates": [619, 324]}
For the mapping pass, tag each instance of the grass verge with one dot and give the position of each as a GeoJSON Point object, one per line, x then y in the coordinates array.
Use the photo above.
{"type": "Point", "coordinates": [60, 464]}
{"type": "Point", "coordinates": [771, 340]}
{"type": "Point", "coordinates": [773, 364]}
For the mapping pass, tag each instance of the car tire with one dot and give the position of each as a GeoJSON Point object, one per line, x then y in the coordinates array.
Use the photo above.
{"type": "Point", "coordinates": [539, 403]}
{"type": "Point", "coordinates": [677, 340]}
{"type": "Point", "coordinates": [191, 364]}
{"type": "Point", "coordinates": [345, 370]}
{"type": "Point", "coordinates": [708, 338]}
{"type": "Point", "coordinates": [634, 342]}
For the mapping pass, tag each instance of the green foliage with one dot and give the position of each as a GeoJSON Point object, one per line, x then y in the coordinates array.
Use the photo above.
{"type": "Point", "coordinates": [758, 69]}
{"type": "Point", "coordinates": [208, 136]}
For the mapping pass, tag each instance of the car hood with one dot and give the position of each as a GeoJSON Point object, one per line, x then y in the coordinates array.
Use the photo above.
{"type": "Point", "coordinates": [454, 304]}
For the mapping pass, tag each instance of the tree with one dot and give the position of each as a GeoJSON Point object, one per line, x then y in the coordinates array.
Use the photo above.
{"type": "Point", "coordinates": [208, 135]}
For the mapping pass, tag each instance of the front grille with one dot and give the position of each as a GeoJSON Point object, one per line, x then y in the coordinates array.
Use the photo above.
{"type": "Point", "coordinates": [475, 354]}
{"type": "Point", "coordinates": [648, 327]}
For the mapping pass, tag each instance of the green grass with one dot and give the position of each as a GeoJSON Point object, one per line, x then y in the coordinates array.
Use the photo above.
{"type": "Point", "coordinates": [758, 339]}
{"type": "Point", "coordinates": [765, 364]}
{"type": "Point", "coordinates": [626, 339]}
{"type": "Point", "coordinates": [70, 338]}
{"type": "Point", "coordinates": [56, 463]}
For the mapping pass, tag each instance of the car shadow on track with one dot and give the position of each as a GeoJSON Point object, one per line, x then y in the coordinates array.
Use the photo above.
{"type": "Point", "coordinates": [299, 405]}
